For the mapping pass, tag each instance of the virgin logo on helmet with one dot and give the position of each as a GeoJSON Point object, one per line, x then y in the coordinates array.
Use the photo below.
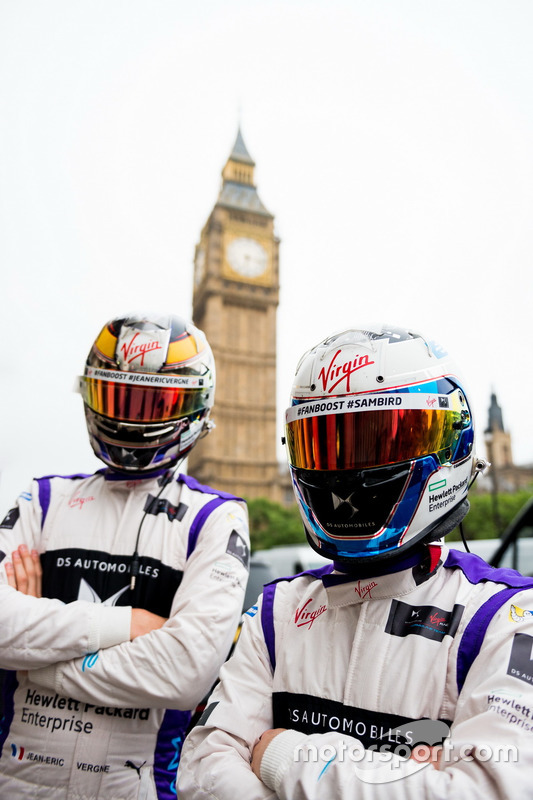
{"type": "Point", "coordinates": [337, 373]}
{"type": "Point", "coordinates": [133, 351]}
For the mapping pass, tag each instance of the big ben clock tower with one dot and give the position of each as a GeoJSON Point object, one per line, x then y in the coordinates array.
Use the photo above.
{"type": "Point", "coordinates": [235, 297]}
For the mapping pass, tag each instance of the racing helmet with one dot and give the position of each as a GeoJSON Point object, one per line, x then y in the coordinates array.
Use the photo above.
{"type": "Point", "coordinates": [148, 388]}
{"type": "Point", "coordinates": [380, 442]}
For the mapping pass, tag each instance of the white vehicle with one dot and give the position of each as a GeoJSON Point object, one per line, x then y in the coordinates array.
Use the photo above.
{"type": "Point", "coordinates": [289, 559]}
{"type": "Point", "coordinates": [481, 547]}
{"type": "Point", "coordinates": [278, 562]}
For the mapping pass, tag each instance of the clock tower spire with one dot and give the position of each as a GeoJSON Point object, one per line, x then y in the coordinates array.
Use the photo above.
{"type": "Point", "coordinates": [240, 165]}
{"type": "Point", "coordinates": [235, 299]}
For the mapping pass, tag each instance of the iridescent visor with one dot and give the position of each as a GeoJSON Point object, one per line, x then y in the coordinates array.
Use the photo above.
{"type": "Point", "coordinates": [142, 397]}
{"type": "Point", "coordinates": [372, 430]}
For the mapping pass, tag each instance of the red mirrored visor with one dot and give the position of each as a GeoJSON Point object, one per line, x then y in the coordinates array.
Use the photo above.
{"type": "Point", "coordinates": [348, 433]}
{"type": "Point", "coordinates": [142, 397]}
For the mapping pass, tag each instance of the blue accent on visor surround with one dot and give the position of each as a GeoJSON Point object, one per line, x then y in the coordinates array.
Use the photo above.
{"type": "Point", "coordinates": [390, 538]}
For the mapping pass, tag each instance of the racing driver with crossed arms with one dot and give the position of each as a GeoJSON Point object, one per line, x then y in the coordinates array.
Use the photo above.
{"type": "Point", "coordinates": [143, 578]}
{"type": "Point", "coordinates": [402, 670]}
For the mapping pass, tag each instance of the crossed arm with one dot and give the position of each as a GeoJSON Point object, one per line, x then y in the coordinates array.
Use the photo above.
{"type": "Point", "coordinates": [24, 573]}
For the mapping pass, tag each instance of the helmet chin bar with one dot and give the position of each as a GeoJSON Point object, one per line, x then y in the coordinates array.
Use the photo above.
{"type": "Point", "coordinates": [130, 459]}
{"type": "Point", "coordinates": [139, 462]}
{"type": "Point", "coordinates": [368, 566]}
{"type": "Point", "coordinates": [352, 503]}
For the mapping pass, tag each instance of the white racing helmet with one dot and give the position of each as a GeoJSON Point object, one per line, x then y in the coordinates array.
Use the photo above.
{"type": "Point", "coordinates": [148, 388]}
{"type": "Point", "coordinates": [380, 442]}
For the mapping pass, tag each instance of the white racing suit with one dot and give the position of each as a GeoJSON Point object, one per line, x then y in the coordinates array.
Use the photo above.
{"type": "Point", "coordinates": [87, 713]}
{"type": "Point", "coordinates": [364, 674]}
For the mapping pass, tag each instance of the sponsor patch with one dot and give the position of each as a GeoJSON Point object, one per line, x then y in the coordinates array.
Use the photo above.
{"type": "Point", "coordinates": [158, 505]}
{"type": "Point", "coordinates": [222, 572]}
{"type": "Point", "coordinates": [309, 714]}
{"type": "Point", "coordinates": [440, 499]}
{"type": "Point", "coordinates": [517, 614]}
{"type": "Point", "coordinates": [87, 593]}
{"type": "Point", "coordinates": [339, 370]}
{"type": "Point", "coordinates": [78, 502]}
{"type": "Point", "coordinates": [207, 713]}
{"type": "Point", "coordinates": [364, 590]}
{"type": "Point", "coordinates": [428, 621]}
{"type": "Point", "coordinates": [10, 519]}
{"type": "Point", "coordinates": [146, 349]}
{"type": "Point", "coordinates": [238, 548]}
{"type": "Point", "coordinates": [76, 574]}
{"type": "Point", "coordinates": [306, 615]}
{"type": "Point", "coordinates": [511, 709]}
{"type": "Point", "coordinates": [521, 661]}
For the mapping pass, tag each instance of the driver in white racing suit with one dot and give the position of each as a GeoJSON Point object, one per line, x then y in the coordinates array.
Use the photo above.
{"type": "Point", "coordinates": [404, 670]}
{"type": "Point", "coordinates": [143, 579]}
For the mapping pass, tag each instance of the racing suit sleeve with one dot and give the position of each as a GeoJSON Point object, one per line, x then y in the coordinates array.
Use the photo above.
{"type": "Point", "coordinates": [176, 665]}
{"type": "Point", "coordinates": [216, 755]}
{"type": "Point", "coordinates": [36, 632]}
{"type": "Point", "coordinates": [488, 754]}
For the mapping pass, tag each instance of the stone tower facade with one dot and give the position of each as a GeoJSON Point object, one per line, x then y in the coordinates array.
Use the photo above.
{"type": "Point", "coordinates": [497, 439]}
{"type": "Point", "coordinates": [235, 299]}
{"type": "Point", "coordinates": [504, 475]}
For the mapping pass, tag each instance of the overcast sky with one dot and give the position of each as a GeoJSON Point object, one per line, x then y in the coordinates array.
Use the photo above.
{"type": "Point", "coordinates": [393, 144]}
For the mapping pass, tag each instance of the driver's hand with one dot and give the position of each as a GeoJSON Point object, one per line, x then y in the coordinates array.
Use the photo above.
{"type": "Point", "coordinates": [143, 621]}
{"type": "Point", "coordinates": [24, 571]}
{"type": "Point", "coordinates": [261, 746]}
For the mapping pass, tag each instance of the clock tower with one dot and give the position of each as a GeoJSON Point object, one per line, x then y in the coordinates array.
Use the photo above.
{"type": "Point", "coordinates": [235, 298]}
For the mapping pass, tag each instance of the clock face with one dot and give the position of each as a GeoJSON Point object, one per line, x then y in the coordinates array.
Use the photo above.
{"type": "Point", "coordinates": [247, 257]}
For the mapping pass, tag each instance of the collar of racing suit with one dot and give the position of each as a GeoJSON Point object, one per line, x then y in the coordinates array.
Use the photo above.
{"type": "Point", "coordinates": [113, 475]}
{"type": "Point", "coordinates": [393, 577]}
{"type": "Point", "coordinates": [392, 580]}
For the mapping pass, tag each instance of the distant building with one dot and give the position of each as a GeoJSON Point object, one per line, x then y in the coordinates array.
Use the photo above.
{"type": "Point", "coordinates": [504, 475]}
{"type": "Point", "coordinates": [235, 299]}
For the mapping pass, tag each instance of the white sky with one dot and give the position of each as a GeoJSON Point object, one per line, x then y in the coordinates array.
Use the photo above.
{"type": "Point", "coordinates": [393, 144]}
